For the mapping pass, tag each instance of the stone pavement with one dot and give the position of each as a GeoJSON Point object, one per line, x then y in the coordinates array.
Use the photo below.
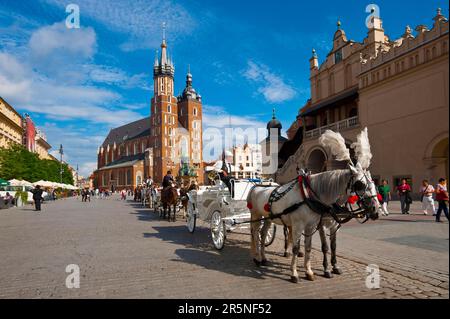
{"type": "Point", "coordinates": [125, 251]}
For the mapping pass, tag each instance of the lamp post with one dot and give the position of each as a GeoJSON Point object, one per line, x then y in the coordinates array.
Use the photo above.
{"type": "Point", "coordinates": [61, 152]}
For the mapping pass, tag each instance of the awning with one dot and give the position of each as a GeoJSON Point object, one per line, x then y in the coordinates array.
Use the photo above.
{"type": "Point", "coordinates": [342, 96]}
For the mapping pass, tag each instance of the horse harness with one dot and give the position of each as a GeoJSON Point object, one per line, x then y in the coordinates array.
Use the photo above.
{"type": "Point", "coordinates": [311, 199]}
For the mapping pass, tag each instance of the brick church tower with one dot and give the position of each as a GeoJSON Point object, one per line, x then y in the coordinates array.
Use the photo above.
{"type": "Point", "coordinates": [176, 133]}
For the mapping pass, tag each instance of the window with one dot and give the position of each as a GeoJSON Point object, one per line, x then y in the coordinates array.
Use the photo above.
{"type": "Point", "coordinates": [338, 56]}
{"type": "Point", "coordinates": [169, 108]}
{"type": "Point", "coordinates": [195, 111]}
{"type": "Point", "coordinates": [319, 88]}
{"type": "Point", "coordinates": [331, 84]}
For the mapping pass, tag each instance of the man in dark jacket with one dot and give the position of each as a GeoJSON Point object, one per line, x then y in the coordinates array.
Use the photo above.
{"type": "Point", "coordinates": [37, 197]}
{"type": "Point", "coordinates": [167, 180]}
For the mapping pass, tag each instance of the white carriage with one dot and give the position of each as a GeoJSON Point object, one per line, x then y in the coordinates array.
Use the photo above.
{"type": "Point", "coordinates": [216, 206]}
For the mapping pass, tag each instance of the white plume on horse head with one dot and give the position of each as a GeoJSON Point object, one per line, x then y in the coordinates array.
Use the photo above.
{"type": "Point", "coordinates": [362, 149]}
{"type": "Point", "coordinates": [337, 146]}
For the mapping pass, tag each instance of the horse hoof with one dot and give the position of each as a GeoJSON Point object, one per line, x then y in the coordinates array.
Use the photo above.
{"type": "Point", "coordinates": [286, 254]}
{"type": "Point", "coordinates": [294, 279]}
{"type": "Point", "coordinates": [310, 277]}
{"type": "Point", "coordinates": [300, 254]}
{"type": "Point", "coordinates": [264, 262]}
{"type": "Point", "coordinates": [337, 271]}
{"type": "Point", "coordinates": [328, 274]}
{"type": "Point", "coordinates": [257, 262]}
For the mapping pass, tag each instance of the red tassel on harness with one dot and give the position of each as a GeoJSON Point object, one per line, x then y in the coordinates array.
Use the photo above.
{"type": "Point", "coordinates": [352, 199]}
{"type": "Point", "coordinates": [249, 205]}
{"type": "Point", "coordinates": [380, 198]}
{"type": "Point", "coordinates": [267, 207]}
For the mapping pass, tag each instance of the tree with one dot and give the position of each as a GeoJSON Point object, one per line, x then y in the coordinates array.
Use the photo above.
{"type": "Point", "coordinates": [17, 162]}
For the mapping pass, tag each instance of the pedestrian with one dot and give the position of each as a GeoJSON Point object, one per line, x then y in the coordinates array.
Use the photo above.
{"type": "Point", "coordinates": [426, 192]}
{"type": "Point", "coordinates": [37, 197]}
{"type": "Point", "coordinates": [385, 191]}
{"type": "Point", "coordinates": [404, 192]}
{"type": "Point", "coordinates": [442, 198]}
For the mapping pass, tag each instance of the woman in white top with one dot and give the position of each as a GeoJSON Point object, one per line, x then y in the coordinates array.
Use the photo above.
{"type": "Point", "coordinates": [427, 191]}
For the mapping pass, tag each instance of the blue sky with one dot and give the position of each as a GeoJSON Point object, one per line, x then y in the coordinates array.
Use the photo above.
{"type": "Point", "coordinates": [246, 58]}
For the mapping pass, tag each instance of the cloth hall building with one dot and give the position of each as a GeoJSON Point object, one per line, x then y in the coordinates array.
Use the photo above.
{"type": "Point", "coordinates": [169, 139]}
{"type": "Point", "coordinates": [397, 88]}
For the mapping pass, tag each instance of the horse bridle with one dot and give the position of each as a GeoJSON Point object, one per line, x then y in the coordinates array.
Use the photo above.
{"type": "Point", "coordinates": [360, 192]}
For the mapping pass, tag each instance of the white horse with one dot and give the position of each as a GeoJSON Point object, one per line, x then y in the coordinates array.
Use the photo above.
{"type": "Point", "coordinates": [304, 217]}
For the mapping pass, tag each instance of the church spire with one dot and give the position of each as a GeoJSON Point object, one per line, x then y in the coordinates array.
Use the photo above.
{"type": "Point", "coordinates": [163, 65]}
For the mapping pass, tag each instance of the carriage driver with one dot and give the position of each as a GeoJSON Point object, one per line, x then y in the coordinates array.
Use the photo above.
{"type": "Point", "coordinates": [167, 180]}
{"type": "Point", "coordinates": [224, 169]}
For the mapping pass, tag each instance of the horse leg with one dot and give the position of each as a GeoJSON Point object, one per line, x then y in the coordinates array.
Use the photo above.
{"type": "Point", "coordinates": [264, 231]}
{"type": "Point", "coordinates": [287, 238]}
{"type": "Point", "coordinates": [296, 232]}
{"type": "Point", "coordinates": [308, 244]}
{"type": "Point", "coordinates": [324, 242]}
{"type": "Point", "coordinates": [255, 247]}
{"type": "Point", "coordinates": [336, 269]}
{"type": "Point", "coordinates": [175, 212]}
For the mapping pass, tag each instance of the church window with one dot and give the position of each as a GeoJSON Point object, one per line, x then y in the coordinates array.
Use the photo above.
{"type": "Point", "coordinates": [338, 56]}
{"type": "Point", "coordinates": [434, 52]}
{"type": "Point", "coordinates": [331, 84]}
{"type": "Point", "coordinates": [169, 108]}
{"type": "Point", "coordinates": [195, 111]}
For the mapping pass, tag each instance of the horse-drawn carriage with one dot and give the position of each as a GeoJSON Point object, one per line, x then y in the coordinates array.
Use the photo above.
{"type": "Point", "coordinates": [224, 209]}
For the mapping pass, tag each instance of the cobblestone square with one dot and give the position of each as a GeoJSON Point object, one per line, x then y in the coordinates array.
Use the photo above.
{"type": "Point", "coordinates": [126, 251]}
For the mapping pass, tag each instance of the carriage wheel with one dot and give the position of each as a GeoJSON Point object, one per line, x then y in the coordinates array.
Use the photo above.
{"type": "Point", "coordinates": [270, 237]}
{"type": "Point", "coordinates": [218, 230]}
{"type": "Point", "coordinates": [191, 217]}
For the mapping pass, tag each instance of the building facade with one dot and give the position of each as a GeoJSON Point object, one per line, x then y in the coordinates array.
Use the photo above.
{"type": "Point", "coordinates": [10, 125]}
{"type": "Point", "coordinates": [170, 139]}
{"type": "Point", "coordinates": [398, 89]}
{"type": "Point", "coordinates": [247, 160]}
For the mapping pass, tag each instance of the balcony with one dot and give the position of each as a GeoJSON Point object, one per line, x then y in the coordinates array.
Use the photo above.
{"type": "Point", "coordinates": [336, 127]}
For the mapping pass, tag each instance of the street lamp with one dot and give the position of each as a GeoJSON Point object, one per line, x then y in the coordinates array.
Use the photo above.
{"type": "Point", "coordinates": [61, 152]}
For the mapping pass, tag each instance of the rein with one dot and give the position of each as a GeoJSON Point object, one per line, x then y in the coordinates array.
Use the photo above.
{"type": "Point", "coordinates": [313, 203]}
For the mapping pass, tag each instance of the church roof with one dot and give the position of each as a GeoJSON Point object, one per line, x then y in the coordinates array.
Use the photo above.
{"type": "Point", "coordinates": [139, 128]}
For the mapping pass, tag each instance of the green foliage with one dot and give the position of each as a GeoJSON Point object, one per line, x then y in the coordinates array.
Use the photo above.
{"type": "Point", "coordinates": [22, 195]}
{"type": "Point", "coordinates": [17, 162]}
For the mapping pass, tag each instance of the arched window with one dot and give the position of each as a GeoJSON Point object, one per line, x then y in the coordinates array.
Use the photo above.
{"type": "Point", "coordinates": [319, 88]}
{"type": "Point", "coordinates": [169, 108]}
{"type": "Point", "coordinates": [434, 52]}
{"type": "Point", "coordinates": [348, 76]}
{"type": "Point", "coordinates": [331, 84]}
{"type": "Point", "coordinates": [195, 111]}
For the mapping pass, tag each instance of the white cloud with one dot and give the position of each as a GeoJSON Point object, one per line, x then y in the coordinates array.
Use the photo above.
{"type": "Point", "coordinates": [57, 37]}
{"type": "Point", "coordinates": [141, 21]}
{"type": "Point", "coordinates": [271, 86]}
{"type": "Point", "coordinates": [216, 116]}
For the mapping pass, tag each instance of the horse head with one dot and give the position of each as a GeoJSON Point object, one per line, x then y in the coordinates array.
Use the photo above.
{"type": "Point", "coordinates": [362, 185]}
